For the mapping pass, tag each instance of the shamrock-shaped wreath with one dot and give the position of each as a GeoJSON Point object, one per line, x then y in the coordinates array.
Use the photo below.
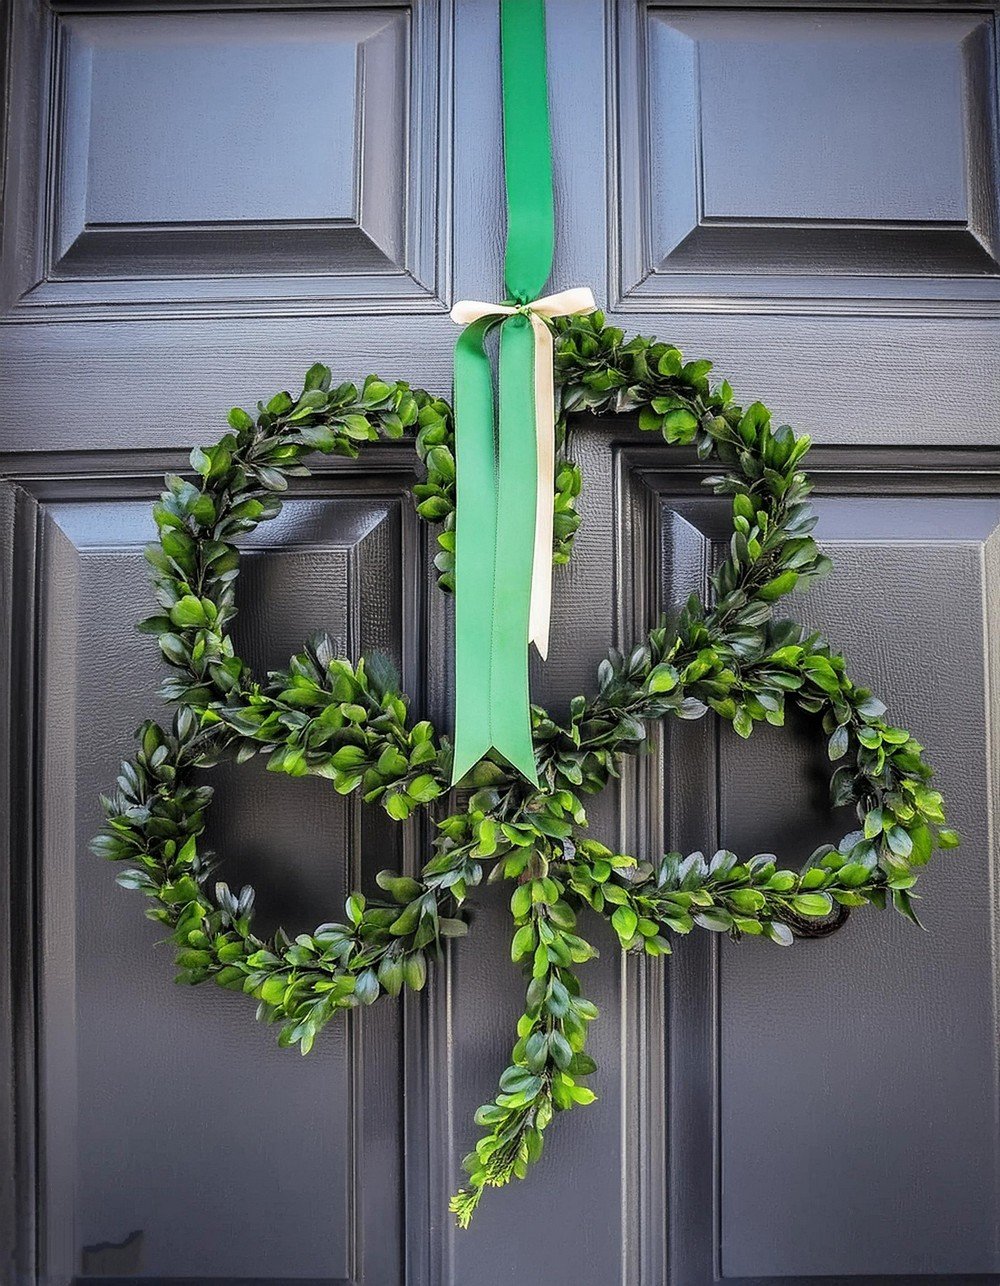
{"type": "Point", "coordinates": [347, 721]}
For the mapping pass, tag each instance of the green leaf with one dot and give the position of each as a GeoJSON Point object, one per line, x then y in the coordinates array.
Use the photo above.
{"type": "Point", "coordinates": [902, 901]}
{"type": "Point", "coordinates": [812, 904]}
{"type": "Point", "coordinates": [397, 805]}
{"type": "Point", "coordinates": [279, 404]}
{"type": "Point", "coordinates": [837, 745]}
{"type": "Point", "coordinates": [560, 1050]}
{"type": "Point", "coordinates": [662, 678]}
{"type": "Point", "coordinates": [520, 901]}
{"type": "Point", "coordinates": [536, 1051]}
{"type": "Point", "coordinates": [435, 508]}
{"type": "Point", "coordinates": [780, 934]}
{"type": "Point", "coordinates": [423, 789]}
{"type": "Point", "coordinates": [390, 974]}
{"type": "Point", "coordinates": [392, 763]}
{"type": "Point", "coordinates": [871, 708]}
{"type": "Point", "coordinates": [415, 971]}
{"type": "Point", "coordinates": [366, 987]}
{"type": "Point", "coordinates": [749, 900]}
{"type": "Point", "coordinates": [523, 943]}
{"type": "Point", "coordinates": [273, 989]}
{"type": "Point", "coordinates": [679, 426]}
{"type": "Point", "coordinates": [514, 1079]}
{"type": "Point", "coordinates": [273, 479]}
{"type": "Point", "coordinates": [359, 428]}
{"type": "Point", "coordinates": [317, 377]}
{"type": "Point", "coordinates": [670, 362]}
{"type": "Point", "coordinates": [778, 587]}
{"type": "Point", "coordinates": [487, 837]}
{"type": "Point", "coordinates": [188, 612]}
{"type": "Point", "coordinates": [174, 649]}
{"type": "Point", "coordinates": [154, 625]}
{"type": "Point", "coordinates": [852, 874]}
{"type": "Point", "coordinates": [715, 918]}
{"type": "Point", "coordinates": [200, 462]}
{"type": "Point", "coordinates": [401, 887]}
{"type": "Point", "coordinates": [922, 845]}
{"type": "Point", "coordinates": [407, 920]}
{"type": "Point", "coordinates": [625, 922]}
{"type": "Point", "coordinates": [238, 419]}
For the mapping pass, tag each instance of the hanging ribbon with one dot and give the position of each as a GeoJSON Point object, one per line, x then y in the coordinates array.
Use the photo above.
{"type": "Point", "coordinates": [503, 524]}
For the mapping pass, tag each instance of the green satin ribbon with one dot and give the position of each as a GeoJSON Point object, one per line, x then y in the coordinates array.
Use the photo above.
{"type": "Point", "coordinates": [496, 471]}
{"type": "Point", "coordinates": [527, 149]}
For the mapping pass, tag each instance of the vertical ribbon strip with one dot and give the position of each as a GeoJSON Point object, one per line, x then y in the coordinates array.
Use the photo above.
{"type": "Point", "coordinates": [505, 475]}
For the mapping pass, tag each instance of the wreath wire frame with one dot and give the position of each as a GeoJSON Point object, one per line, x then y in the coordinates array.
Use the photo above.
{"type": "Point", "coordinates": [348, 721]}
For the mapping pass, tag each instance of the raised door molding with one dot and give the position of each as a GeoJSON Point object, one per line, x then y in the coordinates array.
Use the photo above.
{"type": "Point", "coordinates": [201, 161]}
{"type": "Point", "coordinates": [804, 158]}
{"type": "Point", "coordinates": [325, 1169]}
{"type": "Point", "coordinates": [849, 1083]}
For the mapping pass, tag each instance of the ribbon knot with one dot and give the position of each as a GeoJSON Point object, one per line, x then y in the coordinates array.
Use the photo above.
{"type": "Point", "coordinates": [504, 521]}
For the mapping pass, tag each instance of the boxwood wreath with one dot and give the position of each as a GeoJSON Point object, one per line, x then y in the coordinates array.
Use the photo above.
{"type": "Point", "coordinates": [348, 721]}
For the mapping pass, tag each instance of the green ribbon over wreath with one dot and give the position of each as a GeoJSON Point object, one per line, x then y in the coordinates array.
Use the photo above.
{"type": "Point", "coordinates": [503, 557]}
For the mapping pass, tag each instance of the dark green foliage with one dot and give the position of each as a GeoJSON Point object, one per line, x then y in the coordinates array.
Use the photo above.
{"type": "Point", "coordinates": [349, 722]}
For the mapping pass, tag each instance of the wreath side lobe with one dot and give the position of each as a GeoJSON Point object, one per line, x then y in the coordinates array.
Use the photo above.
{"type": "Point", "coordinates": [348, 721]}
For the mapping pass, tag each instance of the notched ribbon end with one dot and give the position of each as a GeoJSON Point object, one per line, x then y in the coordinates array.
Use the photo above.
{"type": "Point", "coordinates": [465, 759]}
{"type": "Point", "coordinates": [463, 765]}
{"type": "Point", "coordinates": [541, 643]}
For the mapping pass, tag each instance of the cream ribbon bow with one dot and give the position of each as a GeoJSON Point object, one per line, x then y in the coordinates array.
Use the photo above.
{"type": "Point", "coordinates": [564, 304]}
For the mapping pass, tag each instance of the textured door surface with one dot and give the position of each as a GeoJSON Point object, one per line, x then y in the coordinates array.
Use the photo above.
{"type": "Point", "coordinates": [203, 198]}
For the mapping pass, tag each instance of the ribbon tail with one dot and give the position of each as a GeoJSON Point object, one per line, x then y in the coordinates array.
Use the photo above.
{"type": "Point", "coordinates": [475, 546]}
{"type": "Point", "coordinates": [510, 704]}
{"type": "Point", "coordinates": [545, 454]}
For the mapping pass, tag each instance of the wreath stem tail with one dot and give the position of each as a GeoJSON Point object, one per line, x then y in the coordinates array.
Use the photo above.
{"type": "Point", "coordinates": [548, 1060]}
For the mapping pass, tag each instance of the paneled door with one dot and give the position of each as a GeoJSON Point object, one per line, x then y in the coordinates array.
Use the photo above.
{"type": "Point", "coordinates": [201, 198]}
